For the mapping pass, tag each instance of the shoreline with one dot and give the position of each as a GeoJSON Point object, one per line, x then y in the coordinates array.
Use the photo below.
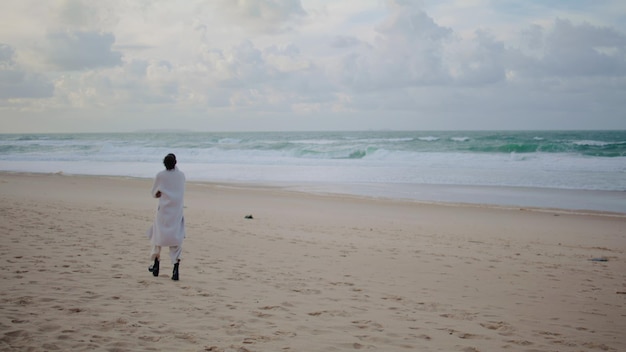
{"type": "Point", "coordinates": [608, 203]}
{"type": "Point", "coordinates": [506, 197]}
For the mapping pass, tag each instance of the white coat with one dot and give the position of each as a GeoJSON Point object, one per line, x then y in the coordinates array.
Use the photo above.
{"type": "Point", "coordinates": [168, 228]}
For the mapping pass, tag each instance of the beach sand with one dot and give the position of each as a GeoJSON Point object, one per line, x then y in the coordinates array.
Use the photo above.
{"type": "Point", "coordinates": [307, 273]}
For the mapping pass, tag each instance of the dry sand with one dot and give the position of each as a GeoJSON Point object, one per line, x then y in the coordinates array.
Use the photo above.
{"type": "Point", "coordinates": [308, 273]}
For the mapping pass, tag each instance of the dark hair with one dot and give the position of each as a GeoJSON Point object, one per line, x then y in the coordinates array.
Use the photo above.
{"type": "Point", "coordinates": [169, 161]}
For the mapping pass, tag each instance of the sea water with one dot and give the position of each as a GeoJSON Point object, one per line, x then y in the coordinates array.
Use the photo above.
{"type": "Point", "coordinates": [561, 169]}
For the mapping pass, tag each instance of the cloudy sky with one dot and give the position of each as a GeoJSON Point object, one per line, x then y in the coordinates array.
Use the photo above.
{"type": "Point", "coordinates": [229, 65]}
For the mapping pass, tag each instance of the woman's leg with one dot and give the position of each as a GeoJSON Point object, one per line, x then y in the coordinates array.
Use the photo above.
{"type": "Point", "coordinates": [155, 255]}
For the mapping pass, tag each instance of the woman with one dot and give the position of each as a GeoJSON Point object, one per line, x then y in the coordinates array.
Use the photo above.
{"type": "Point", "coordinates": [168, 228]}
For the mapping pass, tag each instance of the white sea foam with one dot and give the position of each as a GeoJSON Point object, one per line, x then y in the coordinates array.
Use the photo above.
{"type": "Point", "coordinates": [383, 161]}
{"type": "Point", "coordinates": [428, 139]}
{"type": "Point", "coordinates": [592, 143]}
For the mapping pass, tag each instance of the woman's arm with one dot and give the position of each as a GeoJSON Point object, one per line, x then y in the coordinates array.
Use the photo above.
{"type": "Point", "coordinates": [156, 193]}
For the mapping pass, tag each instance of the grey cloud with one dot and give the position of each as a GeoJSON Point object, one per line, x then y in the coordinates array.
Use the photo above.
{"type": "Point", "coordinates": [569, 50]}
{"type": "Point", "coordinates": [6, 54]}
{"type": "Point", "coordinates": [414, 51]}
{"type": "Point", "coordinates": [414, 26]}
{"type": "Point", "coordinates": [263, 15]}
{"type": "Point", "coordinates": [149, 82]}
{"type": "Point", "coordinates": [242, 66]}
{"type": "Point", "coordinates": [137, 67]}
{"type": "Point", "coordinates": [289, 50]}
{"type": "Point", "coordinates": [343, 41]}
{"type": "Point", "coordinates": [270, 78]}
{"type": "Point", "coordinates": [17, 83]}
{"type": "Point", "coordinates": [408, 52]}
{"type": "Point", "coordinates": [417, 65]}
{"type": "Point", "coordinates": [20, 84]}
{"type": "Point", "coordinates": [485, 64]}
{"type": "Point", "coordinates": [247, 53]}
{"type": "Point", "coordinates": [248, 67]}
{"type": "Point", "coordinates": [82, 50]}
{"type": "Point", "coordinates": [77, 13]}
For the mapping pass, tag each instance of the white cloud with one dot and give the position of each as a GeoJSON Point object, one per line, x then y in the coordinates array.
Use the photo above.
{"type": "Point", "coordinates": [288, 64]}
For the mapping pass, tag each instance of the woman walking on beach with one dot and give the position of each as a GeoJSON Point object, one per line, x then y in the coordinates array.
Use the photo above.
{"type": "Point", "coordinates": [168, 229]}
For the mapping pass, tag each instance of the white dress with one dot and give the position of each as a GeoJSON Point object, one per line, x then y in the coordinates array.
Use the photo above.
{"type": "Point", "coordinates": [168, 228]}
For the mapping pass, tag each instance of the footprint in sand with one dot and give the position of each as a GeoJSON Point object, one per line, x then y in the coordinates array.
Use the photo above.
{"type": "Point", "coordinates": [504, 328]}
{"type": "Point", "coordinates": [368, 324]}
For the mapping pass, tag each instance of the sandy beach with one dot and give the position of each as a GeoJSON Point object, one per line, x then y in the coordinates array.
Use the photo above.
{"type": "Point", "coordinates": [307, 273]}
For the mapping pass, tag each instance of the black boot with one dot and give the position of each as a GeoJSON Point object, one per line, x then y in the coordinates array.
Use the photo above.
{"type": "Point", "coordinates": [175, 272]}
{"type": "Point", "coordinates": [154, 269]}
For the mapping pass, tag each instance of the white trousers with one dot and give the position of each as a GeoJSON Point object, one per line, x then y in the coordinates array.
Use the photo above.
{"type": "Point", "coordinates": [175, 253]}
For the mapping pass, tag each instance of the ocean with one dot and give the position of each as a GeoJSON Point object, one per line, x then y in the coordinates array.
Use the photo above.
{"type": "Point", "coordinates": [577, 170]}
